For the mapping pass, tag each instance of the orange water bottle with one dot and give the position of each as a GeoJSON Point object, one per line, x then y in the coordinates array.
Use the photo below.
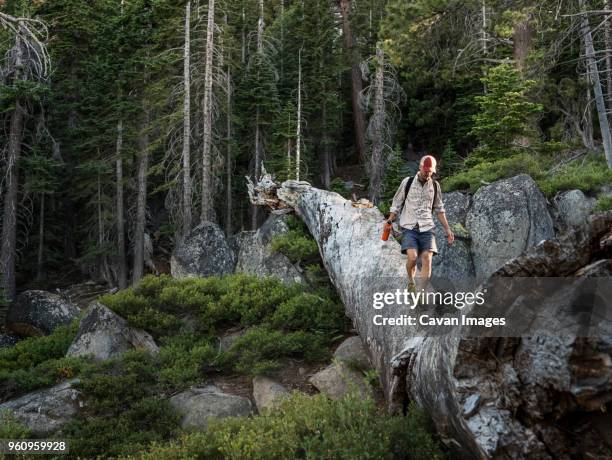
{"type": "Point", "coordinates": [386, 231]}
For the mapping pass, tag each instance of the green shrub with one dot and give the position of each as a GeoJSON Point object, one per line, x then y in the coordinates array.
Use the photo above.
{"type": "Point", "coordinates": [265, 346]}
{"type": "Point", "coordinates": [184, 362]}
{"type": "Point", "coordinates": [124, 410]}
{"type": "Point", "coordinates": [587, 175]}
{"type": "Point", "coordinates": [310, 427]}
{"type": "Point", "coordinates": [18, 381]}
{"type": "Point", "coordinates": [309, 312]}
{"type": "Point", "coordinates": [11, 428]}
{"type": "Point", "coordinates": [38, 362]}
{"type": "Point", "coordinates": [152, 286]}
{"type": "Point", "coordinates": [148, 420]}
{"type": "Point", "coordinates": [35, 350]}
{"type": "Point", "coordinates": [215, 303]}
{"type": "Point", "coordinates": [296, 246]}
{"type": "Point", "coordinates": [254, 299]}
{"type": "Point", "coordinates": [472, 179]}
{"type": "Point", "coordinates": [604, 203]}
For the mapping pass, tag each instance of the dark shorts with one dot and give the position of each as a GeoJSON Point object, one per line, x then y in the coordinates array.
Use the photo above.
{"type": "Point", "coordinates": [421, 241]}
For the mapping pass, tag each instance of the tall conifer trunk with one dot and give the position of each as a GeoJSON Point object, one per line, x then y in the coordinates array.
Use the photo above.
{"type": "Point", "coordinates": [141, 194]}
{"type": "Point", "coordinates": [186, 202]}
{"type": "Point", "coordinates": [207, 210]}
{"type": "Point", "coordinates": [9, 220]}
{"type": "Point", "coordinates": [356, 83]}
{"type": "Point", "coordinates": [122, 259]}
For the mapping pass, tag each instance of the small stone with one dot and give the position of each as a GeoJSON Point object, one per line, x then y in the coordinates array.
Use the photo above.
{"type": "Point", "coordinates": [337, 380]}
{"type": "Point", "coordinates": [351, 351]}
{"type": "Point", "coordinates": [267, 393]}
{"type": "Point", "coordinates": [471, 405]}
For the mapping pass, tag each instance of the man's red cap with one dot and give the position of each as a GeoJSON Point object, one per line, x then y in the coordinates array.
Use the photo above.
{"type": "Point", "coordinates": [429, 163]}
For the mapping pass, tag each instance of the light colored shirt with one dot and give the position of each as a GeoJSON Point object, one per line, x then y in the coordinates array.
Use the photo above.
{"type": "Point", "coordinates": [418, 205]}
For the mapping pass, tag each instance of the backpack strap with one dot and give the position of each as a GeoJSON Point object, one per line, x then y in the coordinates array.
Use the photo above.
{"type": "Point", "coordinates": [436, 187]}
{"type": "Point", "coordinates": [409, 184]}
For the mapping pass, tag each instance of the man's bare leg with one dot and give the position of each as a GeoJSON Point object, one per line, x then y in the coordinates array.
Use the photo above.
{"type": "Point", "coordinates": [411, 266]}
{"type": "Point", "coordinates": [426, 257]}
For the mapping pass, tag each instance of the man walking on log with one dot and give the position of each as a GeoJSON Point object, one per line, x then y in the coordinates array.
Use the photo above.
{"type": "Point", "coordinates": [415, 202]}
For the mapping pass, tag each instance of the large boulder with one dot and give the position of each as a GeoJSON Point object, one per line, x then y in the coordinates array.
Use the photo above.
{"type": "Point", "coordinates": [198, 405]}
{"type": "Point", "coordinates": [36, 313]}
{"type": "Point", "coordinates": [267, 393]}
{"type": "Point", "coordinates": [454, 262]}
{"type": "Point", "coordinates": [46, 411]}
{"type": "Point", "coordinates": [506, 218]}
{"type": "Point", "coordinates": [338, 379]}
{"type": "Point", "coordinates": [204, 252]}
{"type": "Point", "coordinates": [573, 208]}
{"type": "Point", "coordinates": [103, 334]}
{"type": "Point", "coordinates": [351, 351]}
{"type": "Point", "coordinates": [256, 257]}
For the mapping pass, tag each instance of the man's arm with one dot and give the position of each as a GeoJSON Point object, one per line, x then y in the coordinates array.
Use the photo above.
{"type": "Point", "coordinates": [439, 207]}
{"type": "Point", "coordinates": [398, 200]}
{"type": "Point", "coordinates": [449, 233]}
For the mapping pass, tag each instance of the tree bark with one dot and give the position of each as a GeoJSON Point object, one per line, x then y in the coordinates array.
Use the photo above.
{"type": "Point", "coordinates": [258, 134]}
{"type": "Point", "coordinates": [326, 163]}
{"type": "Point", "coordinates": [122, 258]}
{"type": "Point", "coordinates": [41, 239]}
{"type": "Point", "coordinates": [356, 83]}
{"type": "Point", "coordinates": [522, 42]}
{"type": "Point", "coordinates": [608, 42]}
{"type": "Point", "coordinates": [377, 163]}
{"type": "Point", "coordinates": [207, 209]}
{"type": "Point", "coordinates": [141, 196]}
{"type": "Point", "coordinates": [600, 103]}
{"type": "Point", "coordinates": [228, 155]}
{"type": "Point", "coordinates": [298, 134]}
{"type": "Point", "coordinates": [9, 219]}
{"type": "Point", "coordinates": [103, 267]}
{"type": "Point", "coordinates": [470, 387]}
{"type": "Point", "coordinates": [186, 224]}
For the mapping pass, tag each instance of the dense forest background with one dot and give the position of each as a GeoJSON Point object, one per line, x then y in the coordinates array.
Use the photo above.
{"type": "Point", "coordinates": [125, 123]}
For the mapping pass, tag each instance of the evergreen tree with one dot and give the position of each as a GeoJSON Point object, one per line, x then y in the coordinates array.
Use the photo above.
{"type": "Point", "coordinates": [504, 114]}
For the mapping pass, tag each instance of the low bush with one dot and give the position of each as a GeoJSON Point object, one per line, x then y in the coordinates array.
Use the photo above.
{"type": "Point", "coordinates": [587, 175]}
{"type": "Point", "coordinates": [297, 246]}
{"type": "Point", "coordinates": [260, 348]}
{"type": "Point", "coordinates": [13, 383]}
{"type": "Point", "coordinates": [604, 203]}
{"type": "Point", "coordinates": [220, 302]}
{"type": "Point", "coordinates": [310, 427]}
{"type": "Point", "coordinates": [35, 350]}
{"type": "Point", "coordinates": [184, 361]}
{"type": "Point", "coordinates": [472, 179]}
{"type": "Point", "coordinates": [309, 312]}
{"type": "Point", "coordinates": [11, 428]}
{"type": "Point", "coordinates": [38, 362]}
{"type": "Point", "coordinates": [125, 408]}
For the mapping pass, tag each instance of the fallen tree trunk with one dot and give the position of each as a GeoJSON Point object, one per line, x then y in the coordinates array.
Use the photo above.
{"type": "Point", "coordinates": [488, 397]}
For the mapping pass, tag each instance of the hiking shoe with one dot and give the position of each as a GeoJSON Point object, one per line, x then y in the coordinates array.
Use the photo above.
{"type": "Point", "coordinates": [411, 286]}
